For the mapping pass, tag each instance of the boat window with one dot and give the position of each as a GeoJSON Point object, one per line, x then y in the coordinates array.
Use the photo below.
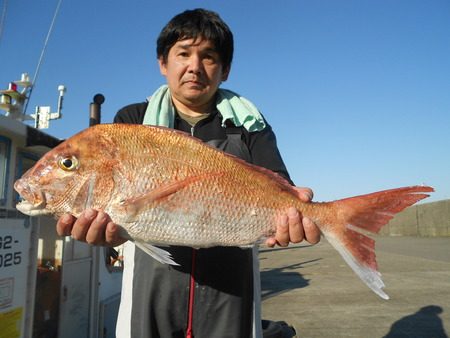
{"type": "Point", "coordinates": [5, 153]}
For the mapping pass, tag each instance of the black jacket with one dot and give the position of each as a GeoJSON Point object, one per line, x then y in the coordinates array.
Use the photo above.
{"type": "Point", "coordinates": [223, 297]}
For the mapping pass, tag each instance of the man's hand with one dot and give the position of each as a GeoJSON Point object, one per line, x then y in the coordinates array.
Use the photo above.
{"type": "Point", "coordinates": [93, 227]}
{"type": "Point", "coordinates": [292, 227]}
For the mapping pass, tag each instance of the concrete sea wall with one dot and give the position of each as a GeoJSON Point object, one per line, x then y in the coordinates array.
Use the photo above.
{"type": "Point", "coordinates": [422, 220]}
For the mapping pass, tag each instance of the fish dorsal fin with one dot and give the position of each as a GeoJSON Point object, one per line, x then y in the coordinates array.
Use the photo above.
{"type": "Point", "coordinates": [160, 255]}
{"type": "Point", "coordinates": [134, 205]}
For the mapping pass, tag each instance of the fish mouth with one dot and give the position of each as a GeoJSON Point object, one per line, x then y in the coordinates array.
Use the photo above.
{"type": "Point", "coordinates": [31, 209]}
{"type": "Point", "coordinates": [38, 207]}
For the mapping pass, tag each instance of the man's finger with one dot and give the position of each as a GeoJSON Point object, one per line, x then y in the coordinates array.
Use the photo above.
{"type": "Point", "coordinates": [64, 225]}
{"type": "Point", "coordinates": [296, 234]}
{"type": "Point", "coordinates": [82, 224]}
{"type": "Point", "coordinates": [282, 234]}
{"type": "Point", "coordinates": [271, 242]}
{"type": "Point", "coordinates": [305, 194]}
{"type": "Point", "coordinates": [312, 232]}
{"type": "Point", "coordinates": [96, 232]}
{"type": "Point", "coordinates": [113, 235]}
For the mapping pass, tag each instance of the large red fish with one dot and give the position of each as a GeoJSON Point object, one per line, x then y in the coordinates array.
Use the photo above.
{"type": "Point", "coordinates": [165, 187]}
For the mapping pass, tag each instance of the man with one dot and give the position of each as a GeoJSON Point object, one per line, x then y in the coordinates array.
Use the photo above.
{"type": "Point", "coordinates": [214, 292]}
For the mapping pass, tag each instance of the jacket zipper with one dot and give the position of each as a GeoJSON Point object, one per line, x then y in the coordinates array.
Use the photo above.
{"type": "Point", "coordinates": [189, 333]}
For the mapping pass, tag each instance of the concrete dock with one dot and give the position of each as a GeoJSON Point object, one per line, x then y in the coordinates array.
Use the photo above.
{"type": "Point", "coordinates": [313, 289]}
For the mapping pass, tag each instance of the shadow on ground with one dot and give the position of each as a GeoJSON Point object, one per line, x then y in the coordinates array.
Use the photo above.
{"type": "Point", "coordinates": [425, 323]}
{"type": "Point", "coordinates": [280, 280]}
{"type": "Point", "coordinates": [288, 248]}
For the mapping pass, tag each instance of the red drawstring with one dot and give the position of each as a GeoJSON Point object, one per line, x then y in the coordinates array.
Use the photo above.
{"type": "Point", "coordinates": [191, 297]}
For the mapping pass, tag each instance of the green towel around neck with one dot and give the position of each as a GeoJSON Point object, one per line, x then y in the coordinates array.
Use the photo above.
{"type": "Point", "coordinates": [161, 112]}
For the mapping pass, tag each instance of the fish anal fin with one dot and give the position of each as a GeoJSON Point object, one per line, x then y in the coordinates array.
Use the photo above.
{"type": "Point", "coordinates": [159, 254]}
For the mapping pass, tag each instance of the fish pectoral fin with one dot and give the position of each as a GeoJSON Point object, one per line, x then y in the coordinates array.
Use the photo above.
{"type": "Point", "coordinates": [160, 255]}
{"type": "Point", "coordinates": [134, 205]}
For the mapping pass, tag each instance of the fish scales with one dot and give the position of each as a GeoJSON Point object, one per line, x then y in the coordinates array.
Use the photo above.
{"type": "Point", "coordinates": [212, 211]}
{"type": "Point", "coordinates": [162, 186]}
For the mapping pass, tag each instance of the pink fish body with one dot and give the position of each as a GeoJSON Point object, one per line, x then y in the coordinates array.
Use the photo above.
{"type": "Point", "coordinates": [165, 187]}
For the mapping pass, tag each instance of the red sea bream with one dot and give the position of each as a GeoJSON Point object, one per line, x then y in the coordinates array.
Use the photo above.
{"type": "Point", "coordinates": [164, 187]}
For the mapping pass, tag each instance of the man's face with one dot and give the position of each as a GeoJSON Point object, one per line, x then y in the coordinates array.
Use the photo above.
{"type": "Point", "coordinates": [194, 71]}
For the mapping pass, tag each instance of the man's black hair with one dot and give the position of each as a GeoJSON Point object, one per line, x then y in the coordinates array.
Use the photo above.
{"type": "Point", "coordinates": [197, 23]}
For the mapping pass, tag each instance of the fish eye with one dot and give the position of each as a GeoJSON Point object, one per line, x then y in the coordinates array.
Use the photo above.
{"type": "Point", "coordinates": [68, 163]}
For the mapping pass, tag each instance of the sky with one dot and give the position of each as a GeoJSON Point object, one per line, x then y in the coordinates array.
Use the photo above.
{"type": "Point", "coordinates": [357, 91]}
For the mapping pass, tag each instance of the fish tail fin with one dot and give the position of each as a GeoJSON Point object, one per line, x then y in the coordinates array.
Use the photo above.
{"type": "Point", "coordinates": [354, 217]}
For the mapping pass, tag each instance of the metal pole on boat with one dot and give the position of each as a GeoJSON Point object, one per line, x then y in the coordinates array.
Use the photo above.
{"type": "Point", "coordinates": [95, 110]}
{"type": "Point", "coordinates": [97, 252]}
